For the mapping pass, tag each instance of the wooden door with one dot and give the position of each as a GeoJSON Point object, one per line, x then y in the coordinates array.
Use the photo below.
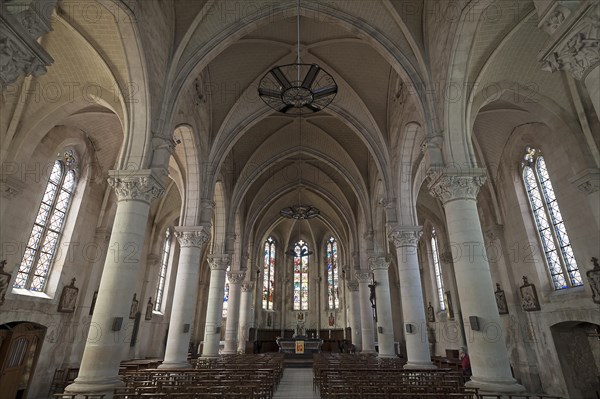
{"type": "Point", "coordinates": [19, 350]}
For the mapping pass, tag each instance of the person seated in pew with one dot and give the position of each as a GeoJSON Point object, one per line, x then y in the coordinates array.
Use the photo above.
{"type": "Point", "coordinates": [465, 362]}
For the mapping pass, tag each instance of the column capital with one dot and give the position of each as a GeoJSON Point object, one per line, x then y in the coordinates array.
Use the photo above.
{"type": "Point", "coordinates": [221, 262]}
{"type": "Point", "coordinates": [363, 277]}
{"type": "Point", "coordinates": [587, 181]}
{"type": "Point", "coordinates": [450, 185]}
{"type": "Point", "coordinates": [379, 263]}
{"type": "Point", "coordinates": [139, 185]}
{"type": "Point", "coordinates": [248, 286]}
{"type": "Point", "coordinates": [207, 203]}
{"type": "Point", "coordinates": [573, 46]}
{"type": "Point", "coordinates": [192, 236]}
{"type": "Point", "coordinates": [103, 234]}
{"type": "Point", "coordinates": [163, 141]}
{"type": "Point", "coordinates": [352, 285]}
{"type": "Point", "coordinates": [236, 277]}
{"type": "Point", "coordinates": [405, 236]}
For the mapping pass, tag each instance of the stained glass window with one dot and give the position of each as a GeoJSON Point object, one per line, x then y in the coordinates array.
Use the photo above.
{"type": "Point", "coordinates": [162, 273]}
{"type": "Point", "coordinates": [268, 274]}
{"type": "Point", "coordinates": [226, 294]}
{"type": "Point", "coordinates": [48, 225]}
{"type": "Point", "coordinates": [333, 295]}
{"type": "Point", "coordinates": [301, 276]}
{"type": "Point", "coordinates": [439, 280]}
{"type": "Point", "coordinates": [560, 260]}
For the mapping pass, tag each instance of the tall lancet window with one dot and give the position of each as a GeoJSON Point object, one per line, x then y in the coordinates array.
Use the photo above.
{"type": "Point", "coordinates": [439, 280]}
{"type": "Point", "coordinates": [301, 276]}
{"type": "Point", "coordinates": [549, 222]}
{"type": "Point", "coordinates": [333, 295]}
{"type": "Point", "coordinates": [226, 294]}
{"type": "Point", "coordinates": [162, 272]}
{"type": "Point", "coordinates": [48, 224]}
{"type": "Point", "coordinates": [269, 274]}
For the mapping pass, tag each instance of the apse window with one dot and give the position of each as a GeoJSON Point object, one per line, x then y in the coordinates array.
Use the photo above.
{"type": "Point", "coordinates": [439, 280]}
{"type": "Point", "coordinates": [40, 250]}
{"type": "Point", "coordinates": [301, 253]}
{"type": "Point", "coordinates": [333, 289]}
{"type": "Point", "coordinates": [552, 233]}
{"type": "Point", "coordinates": [162, 272]}
{"type": "Point", "coordinates": [268, 274]}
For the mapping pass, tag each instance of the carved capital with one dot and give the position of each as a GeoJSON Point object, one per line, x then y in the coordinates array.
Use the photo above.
{"type": "Point", "coordinates": [103, 234]}
{"type": "Point", "coordinates": [219, 262]}
{"type": "Point", "coordinates": [587, 181]}
{"type": "Point", "coordinates": [248, 286]}
{"type": "Point", "coordinates": [575, 44]}
{"type": "Point", "coordinates": [192, 236]}
{"type": "Point", "coordinates": [450, 186]}
{"type": "Point", "coordinates": [405, 236]}
{"type": "Point", "coordinates": [363, 277]}
{"type": "Point", "coordinates": [160, 142]}
{"type": "Point", "coordinates": [379, 263]}
{"type": "Point", "coordinates": [236, 277]}
{"type": "Point", "coordinates": [140, 185]}
{"type": "Point", "coordinates": [353, 285]}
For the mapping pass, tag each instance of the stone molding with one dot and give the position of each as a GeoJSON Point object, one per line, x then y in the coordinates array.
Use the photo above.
{"type": "Point", "coordinates": [587, 181]}
{"type": "Point", "coordinates": [575, 42]}
{"type": "Point", "coordinates": [140, 185]}
{"type": "Point", "coordinates": [248, 286]}
{"type": "Point", "coordinates": [11, 187]}
{"type": "Point", "coordinates": [379, 263]}
{"type": "Point", "coordinates": [402, 236]}
{"type": "Point", "coordinates": [219, 262]}
{"type": "Point", "coordinates": [352, 285]}
{"type": "Point", "coordinates": [363, 277]}
{"type": "Point", "coordinates": [20, 27]}
{"type": "Point", "coordinates": [452, 185]}
{"type": "Point", "coordinates": [103, 234]}
{"type": "Point", "coordinates": [236, 277]}
{"type": "Point", "coordinates": [192, 236]}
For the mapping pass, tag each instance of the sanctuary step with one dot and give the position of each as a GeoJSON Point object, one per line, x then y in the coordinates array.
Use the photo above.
{"type": "Point", "coordinates": [298, 361]}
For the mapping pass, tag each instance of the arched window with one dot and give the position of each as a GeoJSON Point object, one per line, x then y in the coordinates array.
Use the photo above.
{"type": "Point", "coordinates": [226, 294]}
{"type": "Point", "coordinates": [301, 276]}
{"type": "Point", "coordinates": [269, 274]}
{"type": "Point", "coordinates": [439, 280]}
{"type": "Point", "coordinates": [333, 297]}
{"type": "Point", "coordinates": [549, 222]}
{"type": "Point", "coordinates": [162, 273]}
{"type": "Point", "coordinates": [48, 225]}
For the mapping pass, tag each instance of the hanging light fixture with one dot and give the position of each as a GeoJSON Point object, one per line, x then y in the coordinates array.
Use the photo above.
{"type": "Point", "coordinates": [297, 89]}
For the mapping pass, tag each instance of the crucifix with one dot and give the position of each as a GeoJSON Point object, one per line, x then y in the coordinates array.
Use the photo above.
{"type": "Point", "coordinates": [373, 298]}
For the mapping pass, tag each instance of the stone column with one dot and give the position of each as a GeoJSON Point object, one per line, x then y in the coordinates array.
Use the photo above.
{"type": "Point", "coordinates": [573, 44]}
{"type": "Point", "coordinates": [191, 241]}
{"type": "Point", "coordinates": [214, 312]}
{"type": "Point", "coordinates": [245, 316]}
{"type": "Point", "coordinates": [405, 239]}
{"type": "Point", "coordinates": [233, 312]}
{"type": "Point", "coordinates": [107, 338]}
{"type": "Point", "coordinates": [457, 191]}
{"type": "Point", "coordinates": [354, 305]}
{"type": "Point", "coordinates": [385, 326]}
{"type": "Point", "coordinates": [366, 312]}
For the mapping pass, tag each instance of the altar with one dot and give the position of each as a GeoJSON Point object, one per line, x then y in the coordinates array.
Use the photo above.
{"type": "Point", "coordinates": [299, 346]}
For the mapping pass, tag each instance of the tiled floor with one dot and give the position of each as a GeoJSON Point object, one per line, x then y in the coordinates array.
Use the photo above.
{"type": "Point", "coordinates": [297, 383]}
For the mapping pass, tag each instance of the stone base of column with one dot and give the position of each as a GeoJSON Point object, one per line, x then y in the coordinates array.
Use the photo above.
{"type": "Point", "coordinates": [96, 387]}
{"type": "Point", "coordinates": [210, 356]}
{"type": "Point", "coordinates": [495, 386]}
{"type": "Point", "coordinates": [384, 356]}
{"type": "Point", "coordinates": [229, 352]}
{"type": "Point", "coordinates": [175, 365]}
{"type": "Point", "coordinates": [366, 352]}
{"type": "Point", "coordinates": [419, 366]}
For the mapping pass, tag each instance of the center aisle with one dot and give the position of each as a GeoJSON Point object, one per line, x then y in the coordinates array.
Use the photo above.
{"type": "Point", "coordinates": [297, 383]}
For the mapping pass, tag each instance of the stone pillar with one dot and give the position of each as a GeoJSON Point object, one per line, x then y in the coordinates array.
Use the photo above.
{"type": "Point", "coordinates": [354, 305]}
{"type": "Point", "coordinates": [214, 312]}
{"type": "Point", "coordinates": [487, 350]}
{"type": "Point", "coordinates": [191, 241]}
{"type": "Point", "coordinates": [366, 312]}
{"type": "Point", "coordinates": [573, 44]}
{"type": "Point", "coordinates": [107, 338]}
{"type": "Point", "coordinates": [405, 239]}
{"type": "Point", "coordinates": [245, 315]}
{"type": "Point", "coordinates": [385, 326]}
{"type": "Point", "coordinates": [233, 312]}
